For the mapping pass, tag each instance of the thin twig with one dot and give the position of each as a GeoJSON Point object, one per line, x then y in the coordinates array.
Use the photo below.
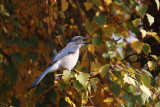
{"type": "Point", "coordinates": [128, 56]}
{"type": "Point", "coordinates": [43, 94]}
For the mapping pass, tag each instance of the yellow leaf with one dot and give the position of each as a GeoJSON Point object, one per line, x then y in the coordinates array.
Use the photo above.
{"type": "Point", "coordinates": [151, 33]}
{"type": "Point", "coordinates": [129, 80]}
{"type": "Point", "coordinates": [64, 5]}
{"type": "Point", "coordinates": [108, 100]}
{"type": "Point", "coordinates": [143, 33]}
{"type": "Point", "coordinates": [108, 1]}
{"type": "Point", "coordinates": [151, 65]}
{"type": "Point", "coordinates": [113, 77]}
{"type": "Point", "coordinates": [91, 48]}
{"type": "Point", "coordinates": [137, 46]}
{"type": "Point", "coordinates": [88, 5]}
{"type": "Point", "coordinates": [95, 66]}
{"type": "Point", "coordinates": [145, 90]}
{"type": "Point", "coordinates": [67, 99]}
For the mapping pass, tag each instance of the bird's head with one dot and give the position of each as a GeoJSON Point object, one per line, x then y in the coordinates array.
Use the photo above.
{"type": "Point", "coordinates": [80, 40]}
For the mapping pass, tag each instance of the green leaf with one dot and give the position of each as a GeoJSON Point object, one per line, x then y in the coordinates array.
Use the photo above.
{"type": "Point", "coordinates": [62, 14]}
{"type": "Point", "coordinates": [157, 104]}
{"type": "Point", "coordinates": [104, 69]}
{"type": "Point", "coordinates": [147, 72]}
{"type": "Point", "coordinates": [93, 82]}
{"type": "Point", "coordinates": [115, 88]}
{"type": "Point", "coordinates": [83, 78]}
{"type": "Point", "coordinates": [78, 86]}
{"type": "Point", "coordinates": [151, 65]}
{"type": "Point", "coordinates": [62, 85]}
{"type": "Point", "coordinates": [91, 27]}
{"type": "Point", "coordinates": [141, 9]}
{"type": "Point", "coordinates": [150, 19]}
{"type": "Point", "coordinates": [97, 40]}
{"type": "Point", "coordinates": [136, 22]}
{"type": "Point", "coordinates": [146, 79]}
{"type": "Point", "coordinates": [154, 56]}
{"type": "Point", "coordinates": [100, 20]}
{"type": "Point", "coordinates": [157, 3]}
{"type": "Point", "coordinates": [130, 100]}
{"type": "Point", "coordinates": [146, 48]}
{"type": "Point", "coordinates": [67, 75]}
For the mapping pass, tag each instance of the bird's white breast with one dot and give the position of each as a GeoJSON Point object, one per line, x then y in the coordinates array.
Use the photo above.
{"type": "Point", "coordinates": [68, 62]}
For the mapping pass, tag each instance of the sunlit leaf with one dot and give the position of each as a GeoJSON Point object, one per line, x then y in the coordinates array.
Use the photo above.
{"type": "Point", "coordinates": [112, 54]}
{"type": "Point", "coordinates": [64, 6]}
{"type": "Point", "coordinates": [142, 9]}
{"type": "Point", "coordinates": [104, 69]}
{"type": "Point", "coordinates": [83, 78]}
{"type": "Point", "coordinates": [68, 100]}
{"type": "Point", "coordinates": [136, 22]}
{"type": "Point", "coordinates": [151, 65]}
{"type": "Point", "coordinates": [150, 19]}
{"type": "Point", "coordinates": [67, 75]}
{"type": "Point", "coordinates": [157, 3]}
{"type": "Point", "coordinates": [129, 80]}
{"type": "Point", "coordinates": [145, 98]}
{"type": "Point", "coordinates": [137, 45]}
{"type": "Point", "coordinates": [152, 33]}
{"type": "Point", "coordinates": [154, 56]}
{"type": "Point", "coordinates": [100, 20]}
{"type": "Point", "coordinates": [108, 100]}
{"type": "Point", "coordinates": [143, 33]}
{"type": "Point", "coordinates": [88, 5]}
{"type": "Point", "coordinates": [146, 90]}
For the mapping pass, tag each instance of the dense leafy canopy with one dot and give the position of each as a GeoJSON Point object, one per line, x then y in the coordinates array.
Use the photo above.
{"type": "Point", "coordinates": [120, 67]}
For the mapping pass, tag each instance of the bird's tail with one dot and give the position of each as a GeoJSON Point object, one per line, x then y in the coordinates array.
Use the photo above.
{"type": "Point", "coordinates": [36, 82]}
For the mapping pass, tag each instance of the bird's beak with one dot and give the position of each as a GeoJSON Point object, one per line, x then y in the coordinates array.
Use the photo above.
{"type": "Point", "coordinates": [85, 38]}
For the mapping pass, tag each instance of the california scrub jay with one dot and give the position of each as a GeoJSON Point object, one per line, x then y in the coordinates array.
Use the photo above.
{"type": "Point", "coordinates": [65, 59]}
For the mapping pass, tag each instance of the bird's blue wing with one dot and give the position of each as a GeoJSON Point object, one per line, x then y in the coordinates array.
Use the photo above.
{"type": "Point", "coordinates": [66, 51]}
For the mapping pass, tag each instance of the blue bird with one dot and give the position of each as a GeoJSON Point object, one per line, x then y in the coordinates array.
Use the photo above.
{"type": "Point", "coordinates": [65, 59]}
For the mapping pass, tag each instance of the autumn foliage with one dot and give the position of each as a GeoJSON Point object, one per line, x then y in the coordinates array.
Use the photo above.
{"type": "Point", "coordinates": [120, 67]}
